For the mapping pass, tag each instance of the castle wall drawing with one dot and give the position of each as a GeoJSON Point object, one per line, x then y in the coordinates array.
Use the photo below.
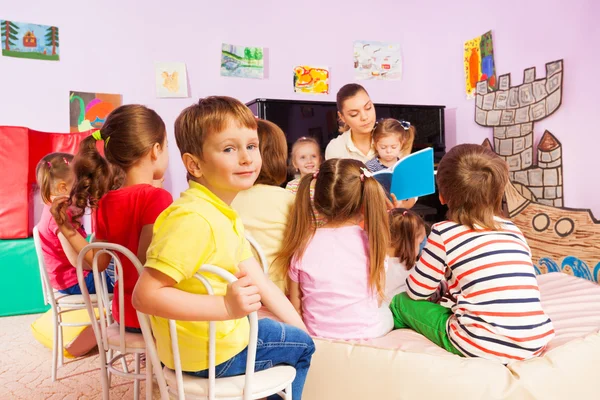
{"type": "Point", "coordinates": [561, 239]}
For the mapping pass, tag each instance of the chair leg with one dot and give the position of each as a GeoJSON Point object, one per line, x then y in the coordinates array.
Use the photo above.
{"type": "Point", "coordinates": [136, 382]}
{"type": "Point", "coordinates": [149, 382]}
{"type": "Point", "coordinates": [61, 352]}
{"type": "Point", "coordinates": [288, 392]}
{"type": "Point", "coordinates": [104, 376]}
{"type": "Point", "coordinates": [109, 353]}
{"type": "Point", "coordinates": [54, 346]}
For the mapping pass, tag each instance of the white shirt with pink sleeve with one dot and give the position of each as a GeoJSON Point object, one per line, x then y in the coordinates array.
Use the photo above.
{"type": "Point", "coordinates": [333, 276]}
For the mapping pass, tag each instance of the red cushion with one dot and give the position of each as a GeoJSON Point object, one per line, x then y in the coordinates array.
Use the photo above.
{"type": "Point", "coordinates": [20, 151]}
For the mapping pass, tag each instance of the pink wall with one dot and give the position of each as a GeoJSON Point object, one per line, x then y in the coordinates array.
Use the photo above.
{"type": "Point", "coordinates": [112, 47]}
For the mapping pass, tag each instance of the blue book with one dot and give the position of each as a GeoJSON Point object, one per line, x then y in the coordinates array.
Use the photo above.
{"type": "Point", "coordinates": [412, 176]}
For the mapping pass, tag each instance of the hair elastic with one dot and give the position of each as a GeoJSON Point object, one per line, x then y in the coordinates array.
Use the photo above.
{"type": "Point", "coordinates": [97, 135]}
{"type": "Point", "coordinates": [365, 174]}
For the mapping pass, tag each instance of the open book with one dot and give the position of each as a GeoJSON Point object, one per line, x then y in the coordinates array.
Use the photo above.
{"type": "Point", "coordinates": [412, 176]}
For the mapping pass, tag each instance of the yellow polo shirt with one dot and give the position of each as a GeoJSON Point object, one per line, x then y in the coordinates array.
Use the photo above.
{"type": "Point", "coordinates": [197, 229]}
{"type": "Point", "coordinates": [343, 147]}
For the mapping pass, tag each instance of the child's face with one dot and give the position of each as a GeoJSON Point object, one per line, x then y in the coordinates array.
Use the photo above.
{"type": "Point", "coordinates": [162, 161]}
{"type": "Point", "coordinates": [388, 148]}
{"type": "Point", "coordinates": [306, 158]}
{"type": "Point", "coordinates": [230, 161]}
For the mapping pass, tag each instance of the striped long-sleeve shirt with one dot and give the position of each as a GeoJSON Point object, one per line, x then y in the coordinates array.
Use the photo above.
{"type": "Point", "coordinates": [498, 314]}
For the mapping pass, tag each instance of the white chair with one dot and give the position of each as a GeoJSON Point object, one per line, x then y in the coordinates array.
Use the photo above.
{"type": "Point", "coordinates": [60, 304]}
{"type": "Point", "coordinates": [112, 336]}
{"type": "Point", "coordinates": [249, 386]}
{"type": "Point", "coordinates": [262, 259]}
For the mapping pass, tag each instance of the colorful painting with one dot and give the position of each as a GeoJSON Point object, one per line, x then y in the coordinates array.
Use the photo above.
{"type": "Point", "coordinates": [89, 110]}
{"type": "Point", "coordinates": [242, 62]}
{"type": "Point", "coordinates": [171, 80]}
{"type": "Point", "coordinates": [24, 40]}
{"type": "Point", "coordinates": [479, 63]}
{"type": "Point", "coordinates": [311, 79]}
{"type": "Point", "coordinates": [377, 60]}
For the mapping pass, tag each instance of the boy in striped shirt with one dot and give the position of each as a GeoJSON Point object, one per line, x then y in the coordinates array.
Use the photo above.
{"type": "Point", "coordinates": [487, 264]}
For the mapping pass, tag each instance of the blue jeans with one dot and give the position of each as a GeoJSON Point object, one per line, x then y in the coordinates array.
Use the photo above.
{"type": "Point", "coordinates": [278, 344]}
{"type": "Point", "coordinates": [91, 286]}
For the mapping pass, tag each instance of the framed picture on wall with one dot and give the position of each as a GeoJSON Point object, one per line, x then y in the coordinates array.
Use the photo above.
{"type": "Point", "coordinates": [307, 111]}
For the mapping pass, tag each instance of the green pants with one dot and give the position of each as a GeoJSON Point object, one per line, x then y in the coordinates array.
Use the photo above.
{"type": "Point", "coordinates": [428, 319]}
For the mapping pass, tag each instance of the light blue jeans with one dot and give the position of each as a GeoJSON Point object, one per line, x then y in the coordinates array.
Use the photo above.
{"type": "Point", "coordinates": [278, 344]}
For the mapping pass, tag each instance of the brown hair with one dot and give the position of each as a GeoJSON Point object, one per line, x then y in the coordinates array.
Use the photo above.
{"type": "Point", "coordinates": [347, 91]}
{"type": "Point", "coordinates": [342, 192]}
{"type": "Point", "coordinates": [472, 179]}
{"type": "Point", "coordinates": [210, 115]}
{"type": "Point", "coordinates": [390, 126]}
{"type": "Point", "coordinates": [129, 133]}
{"type": "Point", "coordinates": [300, 142]}
{"type": "Point", "coordinates": [273, 149]}
{"type": "Point", "coordinates": [404, 228]}
{"type": "Point", "coordinates": [50, 169]}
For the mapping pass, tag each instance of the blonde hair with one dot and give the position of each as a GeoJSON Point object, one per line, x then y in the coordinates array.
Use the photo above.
{"type": "Point", "coordinates": [472, 180]}
{"type": "Point", "coordinates": [50, 169]}
{"type": "Point", "coordinates": [404, 228]}
{"type": "Point", "coordinates": [301, 141]}
{"type": "Point", "coordinates": [392, 127]}
{"type": "Point", "coordinates": [273, 145]}
{"type": "Point", "coordinates": [342, 192]}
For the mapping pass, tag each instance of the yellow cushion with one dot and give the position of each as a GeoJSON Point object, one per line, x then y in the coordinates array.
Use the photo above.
{"type": "Point", "coordinates": [42, 328]}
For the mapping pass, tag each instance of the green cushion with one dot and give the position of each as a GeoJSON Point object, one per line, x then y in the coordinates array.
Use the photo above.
{"type": "Point", "coordinates": [20, 285]}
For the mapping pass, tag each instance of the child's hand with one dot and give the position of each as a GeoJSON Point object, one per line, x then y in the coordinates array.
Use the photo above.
{"type": "Point", "coordinates": [59, 211]}
{"type": "Point", "coordinates": [395, 203]}
{"type": "Point", "coordinates": [242, 297]}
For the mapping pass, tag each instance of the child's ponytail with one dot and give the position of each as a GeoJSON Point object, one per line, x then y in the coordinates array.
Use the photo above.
{"type": "Point", "coordinates": [300, 228]}
{"type": "Point", "coordinates": [377, 227]}
{"type": "Point", "coordinates": [95, 177]}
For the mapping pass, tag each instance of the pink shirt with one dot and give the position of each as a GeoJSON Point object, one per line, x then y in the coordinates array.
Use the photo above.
{"type": "Point", "coordinates": [333, 275]}
{"type": "Point", "coordinates": [61, 272]}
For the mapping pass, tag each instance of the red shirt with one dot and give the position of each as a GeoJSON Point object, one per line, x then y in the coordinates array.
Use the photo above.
{"type": "Point", "coordinates": [61, 272]}
{"type": "Point", "coordinates": [121, 216]}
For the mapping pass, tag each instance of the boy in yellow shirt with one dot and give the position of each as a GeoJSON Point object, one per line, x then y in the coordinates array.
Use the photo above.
{"type": "Point", "coordinates": [218, 142]}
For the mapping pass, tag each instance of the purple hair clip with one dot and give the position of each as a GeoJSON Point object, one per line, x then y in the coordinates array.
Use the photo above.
{"type": "Point", "coordinates": [49, 164]}
{"type": "Point", "coordinates": [66, 161]}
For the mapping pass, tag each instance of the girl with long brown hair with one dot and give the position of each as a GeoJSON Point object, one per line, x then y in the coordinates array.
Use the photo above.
{"type": "Point", "coordinates": [119, 187]}
{"type": "Point", "coordinates": [337, 272]}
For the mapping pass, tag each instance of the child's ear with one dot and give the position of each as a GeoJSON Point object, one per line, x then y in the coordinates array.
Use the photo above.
{"type": "Point", "coordinates": [192, 165]}
{"type": "Point", "coordinates": [62, 188]}
{"type": "Point", "coordinates": [341, 117]}
{"type": "Point", "coordinates": [442, 201]}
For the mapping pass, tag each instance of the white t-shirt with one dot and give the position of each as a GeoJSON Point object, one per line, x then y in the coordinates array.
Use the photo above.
{"type": "Point", "coordinates": [395, 279]}
{"type": "Point", "coordinates": [343, 147]}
